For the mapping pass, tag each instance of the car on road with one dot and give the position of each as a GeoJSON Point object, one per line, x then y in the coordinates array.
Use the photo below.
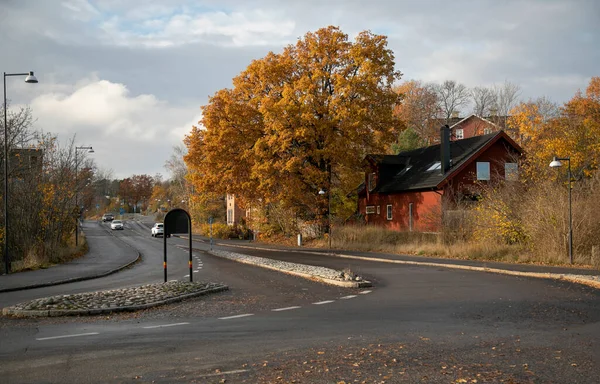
{"type": "Point", "coordinates": [158, 230]}
{"type": "Point", "coordinates": [116, 224]}
{"type": "Point", "coordinates": [107, 217]}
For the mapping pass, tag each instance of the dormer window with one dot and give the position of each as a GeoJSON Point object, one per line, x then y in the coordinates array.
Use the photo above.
{"type": "Point", "coordinates": [372, 181]}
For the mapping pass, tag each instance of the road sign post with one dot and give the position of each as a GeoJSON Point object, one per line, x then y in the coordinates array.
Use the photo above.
{"type": "Point", "coordinates": [210, 222]}
{"type": "Point", "coordinates": [177, 221]}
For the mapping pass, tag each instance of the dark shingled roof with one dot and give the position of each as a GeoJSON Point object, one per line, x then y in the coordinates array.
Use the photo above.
{"type": "Point", "coordinates": [410, 170]}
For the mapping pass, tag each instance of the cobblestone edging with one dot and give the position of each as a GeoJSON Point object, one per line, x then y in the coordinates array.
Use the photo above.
{"type": "Point", "coordinates": [322, 274]}
{"type": "Point", "coordinates": [116, 300]}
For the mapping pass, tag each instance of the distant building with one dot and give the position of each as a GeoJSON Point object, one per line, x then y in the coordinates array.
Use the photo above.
{"type": "Point", "coordinates": [25, 162]}
{"type": "Point", "coordinates": [235, 213]}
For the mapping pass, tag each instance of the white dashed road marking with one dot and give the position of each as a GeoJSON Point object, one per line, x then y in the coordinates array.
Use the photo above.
{"type": "Point", "coordinates": [196, 271]}
{"type": "Point", "coordinates": [165, 325]}
{"type": "Point", "coordinates": [65, 336]}
{"type": "Point", "coordinates": [347, 297]}
{"type": "Point", "coordinates": [285, 309]}
{"type": "Point", "coordinates": [172, 280]}
{"type": "Point", "coordinates": [186, 275]}
{"type": "Point", "coordinates": [324, 302]}
{"type": "Point", "coordinates": [365, 292]}
{"type": "Point", "coordinates": [236, 316]}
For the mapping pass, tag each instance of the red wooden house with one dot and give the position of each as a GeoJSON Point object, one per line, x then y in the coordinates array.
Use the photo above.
{"type": "Point", "coordinates": [405, 191]}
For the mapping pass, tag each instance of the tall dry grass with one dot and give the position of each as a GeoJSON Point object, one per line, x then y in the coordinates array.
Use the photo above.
{"type": "Point", "coordinates": [378, 239]}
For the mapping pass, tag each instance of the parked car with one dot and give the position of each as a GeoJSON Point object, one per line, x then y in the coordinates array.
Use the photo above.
{"type": "Point", "coordinates": [116, 224]}
{"type": "Point", "coordinates": [158, 230]}
{"type": "Point", "coordinates": [107, 217]}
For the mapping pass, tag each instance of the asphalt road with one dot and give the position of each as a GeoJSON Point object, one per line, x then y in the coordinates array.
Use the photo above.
{"type": "Point", "coordinates": [418, 324]}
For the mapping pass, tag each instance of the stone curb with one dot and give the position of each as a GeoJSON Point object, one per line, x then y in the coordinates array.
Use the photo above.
{"type": "Point", "coordinates": [339, 283]}
{"type": "Point", "coordinates": [80, 278]}
{"type": "Point", "coordinates": [100, 311]}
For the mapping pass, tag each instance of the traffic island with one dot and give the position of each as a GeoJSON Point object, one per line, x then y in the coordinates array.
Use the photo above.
{"type": "Point", "coordinates": [116, 300]}
{"type": "Point", "coordinates": [324, 275]}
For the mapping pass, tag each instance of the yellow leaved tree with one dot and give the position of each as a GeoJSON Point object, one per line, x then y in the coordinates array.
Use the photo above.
{"type": "Point", "coordinates": [297, 122]}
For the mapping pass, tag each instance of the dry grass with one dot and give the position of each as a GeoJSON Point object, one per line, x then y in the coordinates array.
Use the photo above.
{"type": "Point", "coordinates": [45, 258]}
{"type": "Point", "coordinates": [377, 239]}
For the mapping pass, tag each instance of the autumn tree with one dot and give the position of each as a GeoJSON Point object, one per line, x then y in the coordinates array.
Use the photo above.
{"type": "Point", "coordinates": [506, 97]}
{"type": "Point", "coordinates": [452, 96]}
{"type": "Point", "coordinates": [298, 121]}
{"type": "Point", "coordinates": [418, 108]}
{"type": "Point", "coordinates": [572, 130]}
{"type": "Point", "coordinates": [484, 101]}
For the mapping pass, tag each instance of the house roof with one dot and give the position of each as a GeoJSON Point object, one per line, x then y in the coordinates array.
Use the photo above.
{"type": "Point", "coordinates": [419, 168]}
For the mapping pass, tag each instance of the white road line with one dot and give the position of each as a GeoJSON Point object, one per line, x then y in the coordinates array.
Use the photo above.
{"type": "Point", "coordinates": [324, 302]}
{"type": "Point", "coordinates": [365, 292]}
{"type": "Point", "coordinates": [285, 309]}
{"type": "Point", "coordinates": [225, 373]}
{"type": "Point", "coordinates": [186, 275]}
{"type": "Point", "coordinates": [172, 280]}
{"type": "Point", "coordinates": [165, 325]}
{"type": "Point", "coordinates": [196, 271]}
{"type": "Point", "coordinates": [236, 316]}
{"type": "Point", "coordinates": [65, 336]}
{"type": "Point", "coordinates": [347, 297]}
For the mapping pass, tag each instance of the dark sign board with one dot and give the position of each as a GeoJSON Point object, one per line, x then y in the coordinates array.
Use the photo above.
{"type": "Point", "coordinates": [177, 221]}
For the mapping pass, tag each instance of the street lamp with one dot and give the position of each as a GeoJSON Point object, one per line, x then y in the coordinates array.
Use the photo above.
{"type": "Point", "coordinates": [556, 162]}
{"type": "Point", "coordinates": [90, 150]}
{"type": "Point", "coordinates": [30, 78]}
{"type": "Point", "coordinates": [322, 192]}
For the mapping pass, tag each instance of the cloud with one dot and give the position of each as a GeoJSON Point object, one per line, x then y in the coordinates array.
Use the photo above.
{"type": "Point", "coordinates": [256, 27]}
{"type": "Point", "coordinates": [135, 131]}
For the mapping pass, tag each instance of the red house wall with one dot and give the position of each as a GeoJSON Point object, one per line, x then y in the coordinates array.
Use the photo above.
{"type": "Point", "coordinates": [497, 155]}
{"type": "Point", "coordinates": [473, 127]}
{"type": "Point", "coordinates": [426, 212]}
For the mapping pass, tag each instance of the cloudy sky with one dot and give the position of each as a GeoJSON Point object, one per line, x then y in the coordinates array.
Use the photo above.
{"type": "Point", "coordinates": [128, 76]}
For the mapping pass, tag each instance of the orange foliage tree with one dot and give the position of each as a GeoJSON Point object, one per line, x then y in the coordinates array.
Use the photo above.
{"type": "Point", "coordinates": [573, 130]}
{"type": "Point", "coordinates": [298, 121]}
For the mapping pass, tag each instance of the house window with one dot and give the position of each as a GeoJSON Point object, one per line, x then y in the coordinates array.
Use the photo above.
{"type": "Point", "coordinates": [459, 134]}
{"type": "Point", "coordinates": [487, 131]}
{"type": "Point", "coordinates": [229, 216]}
{"type": "Point", "coordinates": [378, 209]}
{"type": "Point", "coordinates": [372, 181]}
{"type": "Point", "coordinates": [370, 209]}
{"type": "Point", "coordinates": [483, 170]}
{"type": "Point", "coordinates": [511, 171]}
{"type": "Point", "coordinates": [389, 212]}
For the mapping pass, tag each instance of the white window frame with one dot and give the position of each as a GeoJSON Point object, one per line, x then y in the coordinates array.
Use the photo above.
{"type": "Point", "coordinates": [371, 181]}
{"type": "Point", "coordinates": [389, 213]}
{"type": "Point", "coordinates": [379, 209]}
{"type": "Point", "coordinates": [370, 210]}
{"type": "Point", "coordinates": [459, 134]}
{"type": "Point", "coordinates": [483, 173]}
{"type": "Point", "coordinates": [487, 130]}
{"type": "Point", "coordinates": [511, 171]}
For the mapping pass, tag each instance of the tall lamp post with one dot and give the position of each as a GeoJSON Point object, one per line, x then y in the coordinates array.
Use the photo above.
{"type": "Point", "coordinates": [30, 78]}
{"type": "Point", "coordinates": [556, 162]}
{"type": "Point", "coordinates": [322, 192]}
{"type": "Point", "coordinates": [90, 150]}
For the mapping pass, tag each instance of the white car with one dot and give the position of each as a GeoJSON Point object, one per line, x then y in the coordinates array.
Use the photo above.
{"type": "Point", "coordinates": [158, 230]}
{"type": "Point", "coordinates": [116, 224]}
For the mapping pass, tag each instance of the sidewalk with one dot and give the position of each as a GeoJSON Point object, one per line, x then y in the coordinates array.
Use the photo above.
{"type": "Point", "coordinates": [106, 255]}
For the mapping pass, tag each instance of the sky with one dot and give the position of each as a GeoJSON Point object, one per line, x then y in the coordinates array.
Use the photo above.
{"type": "Point", "coordinates": [128, 77]}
